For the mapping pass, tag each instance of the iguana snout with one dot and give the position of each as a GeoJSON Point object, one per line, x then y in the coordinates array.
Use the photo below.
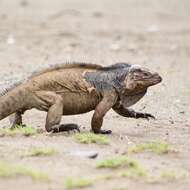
{"type": "Point", "coordinates": [156, 78]}
{"type": "Point", "coordinates": [141, 78]}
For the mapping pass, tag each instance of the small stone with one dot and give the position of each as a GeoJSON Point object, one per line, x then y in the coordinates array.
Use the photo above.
{"type": "Point", "coordinates": [11, 40]}
{"type": "Point", "coordinates": [121, 137]}
{"type": "Point", "coordinates": [97, 14]}
{"type": "Point", "coordinates": [152, 29]}
{"type": "Point", "coordinates": [173, 47]}
{"type": "Point", "coordinates": [116, 151]}
{"type": "Point", "coordinates": [24, 3]}
{"type": "Point", "coordinates": [132, 47]}
{"type": "Point", "coordinates": [171, 121]}
{"type": "Point", "coordinates": [87, 154]}
{"type": "Point", "coordinates": [115, 47]}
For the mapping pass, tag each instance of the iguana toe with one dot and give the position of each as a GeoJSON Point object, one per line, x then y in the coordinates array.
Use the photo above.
{"type": "Point", "coordinates": [148, 116]}
{"type": "Point", "coordinates": [144, 115]}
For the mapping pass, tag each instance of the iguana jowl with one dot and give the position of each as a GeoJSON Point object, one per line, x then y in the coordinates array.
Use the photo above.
{"type": "Point", "coordinates": [77, 88]}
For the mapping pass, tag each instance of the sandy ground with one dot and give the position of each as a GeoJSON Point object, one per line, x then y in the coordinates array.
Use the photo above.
{"type": "Point", "coordinates": [152, 33]}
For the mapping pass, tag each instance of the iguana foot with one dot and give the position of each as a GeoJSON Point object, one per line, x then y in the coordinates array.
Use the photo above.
{"type": "Point", "coordinates": [104, 132]}
{"type": "Point", "coordinates": [66, 127]}
{"type": "Point", "coordinates": [16, 126]}
{"type": "Point", "coordinates": [144, 115]}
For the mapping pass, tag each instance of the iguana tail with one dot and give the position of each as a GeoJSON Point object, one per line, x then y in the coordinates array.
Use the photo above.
{"type": "Point", "coordinates": [13, 100]}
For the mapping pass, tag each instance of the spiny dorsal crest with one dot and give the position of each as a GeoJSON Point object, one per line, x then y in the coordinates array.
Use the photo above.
{"type": "Point", "coordinates": [6, 88]}
{"type": "Point", "coordinates": [66, 65]}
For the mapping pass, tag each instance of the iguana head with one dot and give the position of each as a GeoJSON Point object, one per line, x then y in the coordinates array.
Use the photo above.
{"type": "Point", "coordinates": [140, 78]}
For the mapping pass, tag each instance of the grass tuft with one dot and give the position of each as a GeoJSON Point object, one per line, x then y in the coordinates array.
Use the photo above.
{"type": "Point", "coordinates": [134, 173]}
{"type": "Point", "coordinates": [170, 175]}
{"type": "Point", "coordinates": [187, 92]}
{"type": "Point", "coordinates": [78, 183]}
{"type": "Point", "coordinates": [87, 138]}
{"type": "Point", "coordinates": [116, 162]}
{"type": "Point", "coordinates": [18, 130]}
{"type": "Point", "coordinates": [42, 151]}
{"type": "Point", "coordinates": [133, 169]}
{"type": "Point", "coordinates": [8, 170]}
{"type": "Point", "coordinates": [155, 147]}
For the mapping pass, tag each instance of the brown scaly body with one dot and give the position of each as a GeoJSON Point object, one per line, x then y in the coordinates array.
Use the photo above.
{"type": "Point", "coordinates": [77, 88]}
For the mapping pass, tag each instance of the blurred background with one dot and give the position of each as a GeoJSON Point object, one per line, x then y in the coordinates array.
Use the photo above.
{"type": "Point", "coordinates": [40, 31]}
{"type": "Point", "coordinates": [154, 33]}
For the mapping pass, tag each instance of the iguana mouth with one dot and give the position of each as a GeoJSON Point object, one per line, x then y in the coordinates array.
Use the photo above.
{"type": "Point", "coordinates": [156, 78]}
{"type": "Point", "coordinates": [152, 80]}
{"type": "Point", "coordinates": [134, 92]}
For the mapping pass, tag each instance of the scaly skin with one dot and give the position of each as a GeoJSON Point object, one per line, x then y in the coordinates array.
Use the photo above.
{"type": "Point", "coordinates": [77, 88]}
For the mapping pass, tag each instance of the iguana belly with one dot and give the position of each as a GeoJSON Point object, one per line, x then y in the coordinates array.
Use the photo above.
{"type": "Point", "coordinates": [77, 103]}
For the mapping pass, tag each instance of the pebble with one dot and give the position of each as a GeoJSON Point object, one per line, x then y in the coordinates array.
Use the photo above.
{"type": "Point", "coordinates": [11, 39]}
{"type": "Point", "coordinates": [85, 154]}
{"type": "Point", "coordinates": [152, 28]}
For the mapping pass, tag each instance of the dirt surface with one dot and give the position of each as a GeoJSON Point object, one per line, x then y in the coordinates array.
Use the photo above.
{"type": "Point", "coordinates": [152, 33]}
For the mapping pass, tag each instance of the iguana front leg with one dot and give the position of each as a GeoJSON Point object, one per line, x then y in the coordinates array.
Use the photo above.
{"type": "Point", "coordinates": [127, 112]}
{"type": "Point", "coordinates": [101, 109]}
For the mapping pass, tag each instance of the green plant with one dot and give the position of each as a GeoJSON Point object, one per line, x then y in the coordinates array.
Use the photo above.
{"type": "Point", "coordinates": [88, 138]}
{"type": "Point", "coordinates": [78, 183]}
{"type": "Point", "coordinates": [8, 170]}
{"type": "Point", "coordinates": [155, 147]}
{"type": "Point", "coordinates": [45, 151]}
{"type": "Point", "coordinates": [116, 162]}
{"type": "Point", "coordinates": [18, 130]}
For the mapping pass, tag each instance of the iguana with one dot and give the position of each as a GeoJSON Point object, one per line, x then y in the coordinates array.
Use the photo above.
{"type": "Point", "coordinates": [77, 88]}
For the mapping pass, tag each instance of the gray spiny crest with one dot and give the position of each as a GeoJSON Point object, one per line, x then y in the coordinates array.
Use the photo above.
{"type": "Point", "coordinates": [108, 77]}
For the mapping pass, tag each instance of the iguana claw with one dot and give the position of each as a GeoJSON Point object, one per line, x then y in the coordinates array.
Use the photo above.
{"type": "Point", "coordinates": [144, 115]}
{"type": "Point", "coordinates": [147, 116]}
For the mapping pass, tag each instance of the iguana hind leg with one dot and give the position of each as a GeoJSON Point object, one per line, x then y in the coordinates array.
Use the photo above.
{"type": "Point", "coordinates": [15, 119]}
{"type": "Point", "coordinates": [53, 104]}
